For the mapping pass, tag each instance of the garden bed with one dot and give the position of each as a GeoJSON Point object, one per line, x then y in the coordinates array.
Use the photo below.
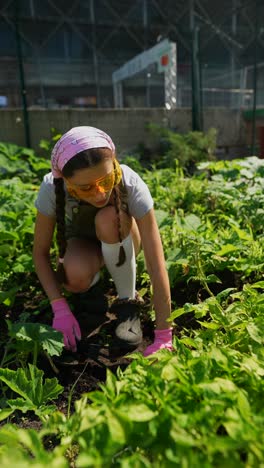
{"type": "Point", "coordinates": [201, 405]}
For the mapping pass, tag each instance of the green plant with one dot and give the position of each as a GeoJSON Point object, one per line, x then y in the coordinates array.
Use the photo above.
{"type": "Point", "coordinates": [133, 162]}
{"type": "Point", "coordinates": [188, 149]}
{"type": "Point", "coordinates": [47, 145]}
{"type": "Point", "coordinates": [23, 448]}
{"type": "Point", "coordinates": [201, 405]}
{"type": "Point", "coordinates": [21, 162]}
{"type": "Point", "coordinates": [34, 393]}
{"type": "Point", "coordinates": [32, 338]}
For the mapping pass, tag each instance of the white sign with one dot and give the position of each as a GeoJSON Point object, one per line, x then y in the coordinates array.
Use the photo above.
{"type": "Point", "coordinates": [143, 60]}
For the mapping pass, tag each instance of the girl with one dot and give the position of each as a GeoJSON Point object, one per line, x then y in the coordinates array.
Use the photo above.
{"type": "Point", "coordinates": [103, 212]}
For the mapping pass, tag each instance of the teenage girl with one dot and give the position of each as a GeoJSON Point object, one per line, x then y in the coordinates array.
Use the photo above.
{"type": "Point", "coordinates": [103, 214]}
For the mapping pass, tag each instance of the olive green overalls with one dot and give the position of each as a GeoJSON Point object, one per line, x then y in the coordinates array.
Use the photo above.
{"type": "Point", "coordinates": [80, 221]}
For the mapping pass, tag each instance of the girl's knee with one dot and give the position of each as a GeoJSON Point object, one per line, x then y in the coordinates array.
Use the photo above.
{"type": "Point", "coordinates": [78, 277]}
{"type": "Point", "coordinates": [77, 284]}
{"type": "Point", "coordinates": [109, 225]}
{"type": "Point", "coordinates": [83, 259]}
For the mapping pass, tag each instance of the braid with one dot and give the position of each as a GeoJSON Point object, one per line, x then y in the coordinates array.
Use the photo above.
{"type": "Point", "coordinates": [122, 253]}
{"type": "Point", "coordinates": [60, 217]}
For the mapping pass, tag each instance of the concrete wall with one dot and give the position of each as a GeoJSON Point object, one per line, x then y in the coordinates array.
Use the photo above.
{"type": "Point", "coordinates": [127, 127]}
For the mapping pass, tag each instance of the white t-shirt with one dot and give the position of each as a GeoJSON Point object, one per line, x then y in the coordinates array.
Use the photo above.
{"type": "Point", "coordinates": [139, 199]}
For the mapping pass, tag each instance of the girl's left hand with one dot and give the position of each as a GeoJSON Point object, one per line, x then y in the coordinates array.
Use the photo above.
{"type": "Point", "coordinates": [163, 340]}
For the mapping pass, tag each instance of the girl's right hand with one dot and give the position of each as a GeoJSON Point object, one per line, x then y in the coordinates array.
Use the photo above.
{"type": "Point", "coordinates": [65, 322]}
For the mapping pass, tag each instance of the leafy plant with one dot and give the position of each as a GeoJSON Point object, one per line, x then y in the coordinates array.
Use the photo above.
{"type": "Point", "coordinates": [23, 448]}
{"type": "Point", "coordinates": [201, 405]}
{"type": "Point", "coordinates": [34, 393]}
{"type": "Point", "coordinates": [47, 145]}
{"type": "Point", "coordinates": [188, 149]}
{"type": "Point", "coordinates": [33, 338]}
{"type": "Point", "coordinates": [21, 162]}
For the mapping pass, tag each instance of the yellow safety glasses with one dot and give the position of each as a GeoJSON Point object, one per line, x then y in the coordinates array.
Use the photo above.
{"type": "Point", "coordinates": [103, 184]}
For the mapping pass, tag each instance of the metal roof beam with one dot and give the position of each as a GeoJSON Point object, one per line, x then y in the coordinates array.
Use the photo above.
{"type": "Point", "coordinates": [76, 30]}
{"type": "Point", "coordinates": [59, 25]}
{"type": "Point", "coordinates": [121, 23]}
{"type": "Point", "coordinates": [228, 41]}
{"type": "Point", "coordinates": [172, 26]}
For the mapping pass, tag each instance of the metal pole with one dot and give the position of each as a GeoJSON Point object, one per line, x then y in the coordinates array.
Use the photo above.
{"type": "Point", "coordinates": [95, 58]}
{"type": "Point", "coordinates": [36, 52]}
{"type": "Point", "coordinates": [196, 88]}
{"type": "Point", "coordinates": [21, 75]}
{"type": "Point", "coordinates": [233, 54]}
{"type": "Point", "coordinates": [201, 117]}
{"type": "Point", "coordinates": [145, 24]}
{"type": "Point", "coordinates": [255, 77]}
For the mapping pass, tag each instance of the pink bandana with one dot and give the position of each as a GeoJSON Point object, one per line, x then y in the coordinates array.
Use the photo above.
{"type": "Point", "coordinates": [73, 142]}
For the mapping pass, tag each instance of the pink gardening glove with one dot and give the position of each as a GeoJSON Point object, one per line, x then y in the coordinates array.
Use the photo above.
{"type": "Point", "coordinates": [163, 340]}
{"type": "Point", "coordinates": [65, 322]}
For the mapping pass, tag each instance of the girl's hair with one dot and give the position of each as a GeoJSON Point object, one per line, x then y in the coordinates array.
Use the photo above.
{"type": "Point", "coordinates": [85, 159]}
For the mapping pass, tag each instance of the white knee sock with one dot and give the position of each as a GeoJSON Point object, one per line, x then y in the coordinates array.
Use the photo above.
{"type": "Point", "coordinates": [95, 280]}
{"type": "Point", "coordinates": [124, 276]}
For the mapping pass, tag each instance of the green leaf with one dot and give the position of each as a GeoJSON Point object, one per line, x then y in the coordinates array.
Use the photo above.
{"type": "Point", "coordinates": [172, 371]}
{"type": "Point", "coordinates": [51, 389]}
{"type": "Point", "coordinates": [209, 325]}
{"type": "Point", "coordinates": [247, 173]}
{"type": "Point", "coordinates": [223, 294]}
{"type": "Point", "coordinates": [218, 386]}
{"type": "Point", "coordinates": [192, 222]}
{"type": "Point", "coordinates": [7, 250]}
{"type": "Point", "coordinates": [218, 356]}
{"type": "Point", "coordinates": [243, 405]}
{"type": "Point", "coordinates": [258, 285]}
{"type": "Point", "coordinates": [8, 297]}
{"type": "Point", "coordinates": [29, 385]}
{"type": "Point", "coordinates": [189, 342]}
{"type": "Point", "coordinates": [252, 366]}
{"type": "Point", "coordinates": [234, 428]}
{"type": "Point", "coordinates": [226, 249]}
{"type": "Point", "coordinates": [24, 448]}
{"type": "Point", "coordinates": [16, 380]}
{"type": "Point", "coordinates": [181, 437]}
{"type": "Point", "coordinates": [117, 424]}
{"type": "Point", "coordinates": [213, 279]}
{"type": "Point", "coordinates": [45, 336]}
{"type": "Point", "coordinates": [138, 412]}
{"type": "Point", "coordinates": [255, 333]}
{"type": "Point", "coordinates": [5, 413]}
{"type": "Point", "coordinates": [5, 235]}
{"type": "Point", "coordinates": [21, 404]}
{"type": "Point", "coordinates": [110, 384]}
{"type": "Point", "coordinates": [161, 217]}
{"type": "Point", "coordinates": [177, 313]}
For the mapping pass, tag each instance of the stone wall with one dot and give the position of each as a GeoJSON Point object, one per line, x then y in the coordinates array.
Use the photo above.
{"type": "Point", "coordinates": [127, 127]}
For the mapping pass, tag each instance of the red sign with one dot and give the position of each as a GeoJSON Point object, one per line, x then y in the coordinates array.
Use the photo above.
{"type": "Point", "coordinates": [164, 60]}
